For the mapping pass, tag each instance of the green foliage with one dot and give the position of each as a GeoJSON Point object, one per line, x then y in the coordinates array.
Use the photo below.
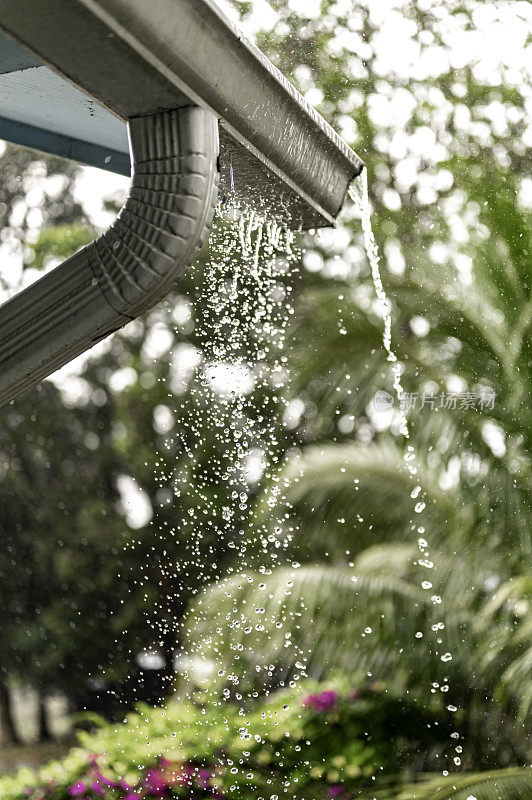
{"type": "Point", "coordinates": [328, 617]}
{"type": "Point", "coordinates": [505, 626]}
{"type": "Point", "coordinates": [315, 741]}
{"type": "Point", "coordinates": [58, 243]}
{"type": "Point", "coordinates": [508, 784]}
{"type": "Point", "coordinates": [457, 226]}
{"type": "Point", "coordinates": [63, 602]}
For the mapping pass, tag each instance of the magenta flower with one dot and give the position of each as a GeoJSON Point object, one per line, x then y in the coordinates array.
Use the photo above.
{"type": "Point", "coordinates": [187, 773]}
{"type": "Point", "coordinates": [204, 776]}
{"type": "Point", "coordinates": [109, 782]}
{"type": "Point", "coordinates": [324, 701]}
{"type": "Point", "coordinates": [336, 790]}
{"type": "Point", "coordinates": [77, 789]}
{"type": "Point", "coordinates": [155, 783]}
{"type": "Point", "coordinates": [97, 788]}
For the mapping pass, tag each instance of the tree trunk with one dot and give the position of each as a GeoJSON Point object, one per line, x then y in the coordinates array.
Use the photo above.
{"type": "Point", "coordinates": [45, 733]}
{"type": "Point", "coordinates": [8, 730]}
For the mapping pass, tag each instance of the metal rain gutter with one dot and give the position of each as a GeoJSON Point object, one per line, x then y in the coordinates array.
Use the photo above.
{"type": "Point", "coordinates": [171, 69]}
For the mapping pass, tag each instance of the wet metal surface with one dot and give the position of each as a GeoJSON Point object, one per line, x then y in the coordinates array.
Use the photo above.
{"type": "Point", "coordinates": [139, 58]}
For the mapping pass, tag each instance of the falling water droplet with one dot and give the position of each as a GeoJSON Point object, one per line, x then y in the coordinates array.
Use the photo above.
{"type": "Point", "coordinates": [360, 196]}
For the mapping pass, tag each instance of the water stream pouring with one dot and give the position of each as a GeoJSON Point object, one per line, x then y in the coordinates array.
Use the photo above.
{"type": "Point", "coordinates": [205, 111]}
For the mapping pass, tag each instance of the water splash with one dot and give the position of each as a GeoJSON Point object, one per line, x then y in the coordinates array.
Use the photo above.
{"type": "Point", "coordinates": [231, 377]}
{"type": "Point", "coordinates": [360, 196]}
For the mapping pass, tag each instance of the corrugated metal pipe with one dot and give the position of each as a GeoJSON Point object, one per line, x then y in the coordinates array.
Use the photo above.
{"type": "Point", "coordinates": [133, 265]}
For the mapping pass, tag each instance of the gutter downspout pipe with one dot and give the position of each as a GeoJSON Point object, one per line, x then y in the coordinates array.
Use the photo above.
{"type": "Point", "coordinates": [133, 265]}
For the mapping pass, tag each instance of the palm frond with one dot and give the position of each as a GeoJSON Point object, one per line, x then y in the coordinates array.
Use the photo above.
{"type": "Point", "coordinates": [360, 494]}
{"type": "Point", "coordinates": [505, 651]}
{"type": "Point", "coordinates": [506, 784]}
{"type": "Point", "coordinates": [389, 558]}
{"type": "Point", "coordinates": [327, 618]}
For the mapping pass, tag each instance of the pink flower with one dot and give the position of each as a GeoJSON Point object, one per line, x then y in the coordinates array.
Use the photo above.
{"type": "Point", "coordinates": [105, 781]}
{"type": "Point", "coordinates": [203, 778]}
{"type": "Point", "coordinates": [155, 783]}
{"type": "Point", "coordinates": [187, 773]}
{"type": "Point", "coordinates": [77, 789]}
{"type": "Point", "coordinates": [324, 701]}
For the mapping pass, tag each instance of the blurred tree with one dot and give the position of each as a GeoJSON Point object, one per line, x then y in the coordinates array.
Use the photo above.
{"type": "Point", "coordinates": [36, 191]}
{"type": "Point", "coordinates": [63, 603]}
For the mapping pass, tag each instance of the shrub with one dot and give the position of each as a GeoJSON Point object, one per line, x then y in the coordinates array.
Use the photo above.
{"type": "Point", "coordinates": [316, 741]}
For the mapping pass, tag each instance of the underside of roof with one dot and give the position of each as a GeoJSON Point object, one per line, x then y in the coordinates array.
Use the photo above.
{"type": "Point", "coordinates": [40, 109]}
